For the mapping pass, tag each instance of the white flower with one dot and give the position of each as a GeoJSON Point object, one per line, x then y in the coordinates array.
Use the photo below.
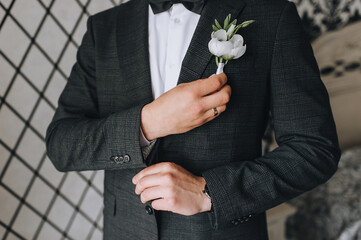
{"type": "Point", "coordinates": [231, 49]}
{"type": "Point", "coordinates": [225, 44]}
{"type": "Point", "coordinates": [230, 30]}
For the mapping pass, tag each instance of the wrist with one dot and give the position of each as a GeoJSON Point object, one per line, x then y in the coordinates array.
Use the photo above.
{"type": "Point", "coordinates": [207, 200]}
{"type": "Point", "coordinates": [207, 205]}
{"type": "Point", "coordinates": [146, 124]}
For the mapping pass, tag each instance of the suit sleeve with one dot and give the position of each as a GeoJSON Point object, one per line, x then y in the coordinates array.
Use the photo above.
{"type": "Point", "coordinates": [77, 138]}
{"type": "Point", "coordinates": [308, 151]}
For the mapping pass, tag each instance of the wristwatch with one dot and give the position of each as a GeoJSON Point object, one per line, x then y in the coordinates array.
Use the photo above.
{"type": "Point", "coordinates": [206, 192]}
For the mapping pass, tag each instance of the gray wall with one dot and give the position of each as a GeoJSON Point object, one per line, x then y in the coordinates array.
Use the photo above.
{"type": "Point", "coordinates": [36, 201]}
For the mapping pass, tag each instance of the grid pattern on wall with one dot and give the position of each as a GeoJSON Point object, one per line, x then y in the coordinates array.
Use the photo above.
{"type": "Point", "coordinates": [38, 43]}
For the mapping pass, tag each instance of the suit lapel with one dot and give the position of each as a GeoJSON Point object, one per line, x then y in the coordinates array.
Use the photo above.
{"type": "Point", "coordinates": [132, 42]}
{"type": "Point", "coordinates": [132, 46]}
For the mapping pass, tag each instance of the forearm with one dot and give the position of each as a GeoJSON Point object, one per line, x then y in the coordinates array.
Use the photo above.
{"type": "Point", "coordinates": [75, 144]}
{"type": "Point", "coordinates": [247, 188]}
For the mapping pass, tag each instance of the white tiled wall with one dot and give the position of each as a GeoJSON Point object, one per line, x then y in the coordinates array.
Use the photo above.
{"type": "Point", "coordinates": [37, 201]}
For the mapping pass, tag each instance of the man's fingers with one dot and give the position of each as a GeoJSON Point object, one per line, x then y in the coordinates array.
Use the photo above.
{"type": "Point", "coordinates": [153, 169]}
{"type": "Point", "coordinates": [151, 194]}
{"type": "Point", "coordinates": [148, 181]}
{"type": "Point", "coordinates": [161, 204]}
{"type": "Point", "coordinates": [210, 113]}
{"type": "Point", "coordinates": [218, 98]}
{"type": "Point", "coordinates": [211, 84]}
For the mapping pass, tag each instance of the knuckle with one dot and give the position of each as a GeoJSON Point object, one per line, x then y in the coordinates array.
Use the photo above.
{"type": "Point", "coordinates": [168, 166]}
{"type": "Point", "coordinates": [172, 201]}
{"type": "Point", "coordinates": [197, 108]}
{"type": "Point", "coordinates": [226, 98]}
{"type": "Point", "coordinates": [169, 178]}
{"type": "Point", "coordinates": [228, 88]}
{"type": "Point", "coordinates": [224, 76]}
{"type": "Point", "coordinates": [218, 83]}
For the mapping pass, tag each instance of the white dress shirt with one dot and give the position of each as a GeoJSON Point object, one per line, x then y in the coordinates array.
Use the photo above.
{"type": "Point", "coordinates": [169, 35]}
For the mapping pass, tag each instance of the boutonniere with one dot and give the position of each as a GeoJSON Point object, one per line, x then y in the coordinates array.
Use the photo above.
{"type": "Point", "coordinates": [225, 44]}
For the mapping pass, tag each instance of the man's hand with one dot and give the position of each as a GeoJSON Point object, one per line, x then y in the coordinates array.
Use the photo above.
{"type": "Point", "coordinates": [185, 107]}
{"type": "Point", "coordinates": [172, 188]}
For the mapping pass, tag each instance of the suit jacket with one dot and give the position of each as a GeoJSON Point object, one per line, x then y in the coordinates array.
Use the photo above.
{"type": "Point", "coordinates": [96, 124]}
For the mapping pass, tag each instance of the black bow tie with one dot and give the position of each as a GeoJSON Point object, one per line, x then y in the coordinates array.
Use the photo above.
{"type": "Point", "coordinates": [159, 6]}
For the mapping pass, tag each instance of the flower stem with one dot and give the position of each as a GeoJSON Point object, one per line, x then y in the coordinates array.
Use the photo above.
{"type": "Point", "coordinates": [221, 60]}
{"type": "Point", "coordinates": [217, 60]}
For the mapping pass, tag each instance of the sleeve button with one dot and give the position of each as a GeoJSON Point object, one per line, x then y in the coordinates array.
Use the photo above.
{"type": "Point", "coordinates": [126, 158]}
{"type": "Point", "coordinates": [116, 159]}
{"type": "Point", "coordinates": [235, 221]}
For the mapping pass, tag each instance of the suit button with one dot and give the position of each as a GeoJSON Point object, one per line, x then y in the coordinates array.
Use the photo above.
{"type": "Point", "coordinates": [126, 158]}
{"type": "Point", "coordinates": [116, 159]}
{"type": "Point", "coordinates": [149, 209]}
{"type": "Point", "coordinates": [121, 159]}
{"type": "Point", "coordinates": [112, 158]}
{"type": "Point", "coordinates": [235, 221]}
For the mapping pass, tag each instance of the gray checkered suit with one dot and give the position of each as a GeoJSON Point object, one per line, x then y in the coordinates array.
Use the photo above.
{"type": "Point", "coordinates": [96, 125]}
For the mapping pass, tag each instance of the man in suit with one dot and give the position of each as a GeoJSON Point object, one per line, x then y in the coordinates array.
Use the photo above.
{"type": "Point", "coordinates": [181, 150]}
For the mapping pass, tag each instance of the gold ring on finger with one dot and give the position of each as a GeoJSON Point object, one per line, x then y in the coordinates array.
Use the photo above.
{"type": "Point", "coordinates": [215, 111]}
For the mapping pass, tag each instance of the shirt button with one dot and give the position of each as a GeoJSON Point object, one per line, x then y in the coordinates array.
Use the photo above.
{"type": "Point", "coordinates": [177, 20]}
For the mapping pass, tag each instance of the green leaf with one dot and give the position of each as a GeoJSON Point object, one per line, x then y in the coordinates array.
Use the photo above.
{"type": "Point", "coordinates": [234, 22]}
{"type": "Point", "coordinates": [226, 21]}
{"type": "Point", "coordinates": [246, 23]}
{"type": "Point", "coordinates": [217, 24]}
{"type": "Point", "coordinates": [236, 29]}
{"type": "Point", "coordinates": [215, 29]}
